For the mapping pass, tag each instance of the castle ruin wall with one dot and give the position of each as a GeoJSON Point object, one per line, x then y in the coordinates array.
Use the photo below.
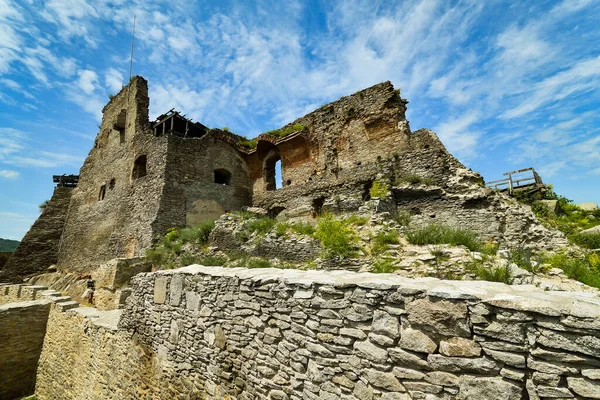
{"type": "Point", "coordinates": [118, 195]}
{"type": "Point", "coordinates": [39, 248]}
{"type": "Point", "coordinates": [22, 330]}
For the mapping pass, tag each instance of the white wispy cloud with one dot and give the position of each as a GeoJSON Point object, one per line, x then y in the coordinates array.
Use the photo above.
{"type": "Point", "coordinates": [9, 174]}
{"type": "Point", "coordinates": [17, 149]}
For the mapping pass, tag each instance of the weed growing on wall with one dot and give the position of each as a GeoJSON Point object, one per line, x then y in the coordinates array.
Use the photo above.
{"type": "Point", "coordinates": [525, 259]}
{"type": "Point", "coordinates": [303, 228]}
{"type": "Point", "coordinates": [379, 189]}
{"type": "Point", "coordinates": [442, 234]}
{"type": "Point", "coordinates": [287, 130]}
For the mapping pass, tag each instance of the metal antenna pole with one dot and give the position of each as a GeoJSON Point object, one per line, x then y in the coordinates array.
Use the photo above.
{"type": "Point", "coordinates": [132, 41]}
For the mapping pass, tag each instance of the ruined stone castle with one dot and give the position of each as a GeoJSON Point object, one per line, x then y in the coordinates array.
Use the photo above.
{"type": "Point", "coordinates": [202, 332]}
{"type": "Point", "coordinates": [143, 177]}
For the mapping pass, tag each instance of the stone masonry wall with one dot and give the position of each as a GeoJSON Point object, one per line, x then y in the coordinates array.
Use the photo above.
{"type": "Point", "coordinates": [117, 223]}
{"type": "Point", "coordinates": [22, 330]}
{"type": "Point", "coordinates": [190, 195]}
{"type": "Point", "coordinates": [209, 332]}
{"type": "Point", "coordinates": [39, 248]}
{"type": "Point", "coordinates": [279, 334]}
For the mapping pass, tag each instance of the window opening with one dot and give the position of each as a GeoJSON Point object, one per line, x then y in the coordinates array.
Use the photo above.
{"type": "Point", "coordinates": [317, 205]}
{"type": "Point", "coordinates": [111, 184]}
{"type": "Point", "coordinates": [272, 172]}
{"type": "Point", "coordinates": [139, 167]}
{"type": "Point", "coordinates": [102, 193]}
{"type": "Point", "coordinates": [222, 176]}
{"type": "Point", "coordinates": [120, 125]}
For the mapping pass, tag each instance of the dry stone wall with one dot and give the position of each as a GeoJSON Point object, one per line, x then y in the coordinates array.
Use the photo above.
{"type": "Point", "coordinates": [210, 332]}
{"type": "Point", "coordinates": [22, 330]}
{"type": "Point", "coordinates": [285, 334]}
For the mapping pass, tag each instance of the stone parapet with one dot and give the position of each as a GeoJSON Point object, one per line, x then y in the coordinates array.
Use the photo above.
{"type": "Point", "coordinates": [288, 334]}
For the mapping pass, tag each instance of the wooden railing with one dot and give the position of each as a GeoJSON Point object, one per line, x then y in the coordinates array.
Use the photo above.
{"type": "Point", "coordinates": [510, 184]}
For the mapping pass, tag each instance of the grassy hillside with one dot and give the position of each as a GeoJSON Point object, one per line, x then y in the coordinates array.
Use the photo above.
{"type": "Point", "coordinates": [8, 245]}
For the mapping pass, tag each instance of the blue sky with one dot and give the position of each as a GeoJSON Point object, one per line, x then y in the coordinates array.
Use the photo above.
{"type": "Point", "coordinates": [505, 84]}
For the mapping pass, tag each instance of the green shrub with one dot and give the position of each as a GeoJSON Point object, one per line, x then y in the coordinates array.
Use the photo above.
{"type": "Point", "coordinates": [383, 266]}
{"type": "Point", "coordinates": [382, 240]}
{"type": "Point", "coordinates": [197, 234]}
{"type": "Point", "coordinates": [226, 129]}
{"type": "Point", "coordinates": [414, 179]}
{"type": "Point", "coordinates": [260, 225]}
{"type": "Point", "coordinates": [491, 273]}
{"type": "Point", "coordinates": [585, 270]}
{"type": "Point", "coordinates": [441, 234]}
{"type": "Point", "coordinates": [490, 248]}
{"type": "Point", "coordinates": [247, 143]}
{"type": "Point", "coordinates": [245, 215]}
{"type": "Point", "coordinates": [210, 260]}
{"type": "Point", "coordinates": [402, 217]}
{"type": "Point", "coordinates": [303, 228]}
{"type": "Point", "coordinates": [357, 220]}
{"type": "Point", "coordinates": [281, 229]}
{"type": "Point", "coordinates": [336, 236]}
{"type": "Point", "coordinates": [524, 258]}
{"type": "Point", "coordinates": [253, 262]}
{"type": "Point", "coordinates": [379, 189]}
{"type": "Point", "coordinates": [586, 240]}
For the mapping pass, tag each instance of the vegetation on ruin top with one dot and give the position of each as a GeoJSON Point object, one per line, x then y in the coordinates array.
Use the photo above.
{"type": "Point", "coordinates": [286, 131]}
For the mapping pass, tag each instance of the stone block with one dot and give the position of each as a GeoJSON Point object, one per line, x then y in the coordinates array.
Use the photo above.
{"type": "Point", "coordinates": [160, 289]}
{"type": "Point", "coordinates": [460, 347]}
{"type": "Point", "coordinates": [488, 389]}
{"type": "Point", "coordinates": [444, 317]}
{"type": "Point", "coordinates": [412, 339]}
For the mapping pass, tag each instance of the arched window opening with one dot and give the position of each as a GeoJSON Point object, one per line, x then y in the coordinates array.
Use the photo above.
{"type": "Point", "coordinates": [139, 167]}
{"type": "Point", "coordinates": [222, 176]}
{"type": "Point", "coordinates": [278, 177]}
{"type": "Point", "coordinates": [111, 184]}
{"type": "Point", "coordinates": [102, 193]}
{"type": "Point", "coordinates": [272, 172]}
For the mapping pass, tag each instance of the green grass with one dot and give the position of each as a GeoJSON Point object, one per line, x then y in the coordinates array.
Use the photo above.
{"type": "Point", "coordinates": [525, 259]}
{"type": "Point", "coordinates": [168, 252]}
{"type": "Point", "coordinates": [414, 179]}
{"type": "Point", "coordinates": [587, 240]}
{"type": "Point", "coordinates": [244, 261]}
{"type": "Point", "coordinates": [570, 220]}
{"type": "Point", "coordinates": [358, 220]}
{"type": "Point", "coordinates": [281, 229]}
{"type": "Point", "coordinates": [585, 269]}
{"type": "Point", "coordinates": [336, 236]}
{"type": "Point", "coordinates": [261, 225]}
{"type": "Point", "coordinates": [441, 234]}
{"type": "Point", "coordinates": [248, 143]}
{"type": "Point", "coordinates": [286, 131]}
{"type": "Point", "coordinates": [402, 217]}
{"type": "Point", "coordinates": [383, 266]}
{"type": "Point", "coordinates": [490, 248]}
{"type": "Point", "coordinates": [303, 228]}
{"type": "Point", "coordinates": [489, 273]}
{"type": "Point", "coordinates": [379, 189]}
{"type": "Point", "coordinates": [212, 260]}
{"type": "Point", "coordinates": [382, 240]}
